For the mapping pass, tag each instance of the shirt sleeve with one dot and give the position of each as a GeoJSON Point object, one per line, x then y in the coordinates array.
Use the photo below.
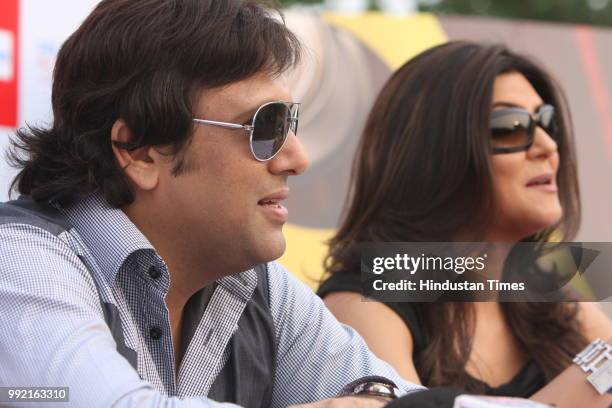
{"type": "Point", "coordinates": [52, 329]}
{"type": "Point", "coordinates": [317, 355]}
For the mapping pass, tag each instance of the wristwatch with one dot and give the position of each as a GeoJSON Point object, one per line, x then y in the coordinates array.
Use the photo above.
{"type": "Point", "coordinates": [372, 386]}
{"type": "Point", "coordinates": [596, 359]}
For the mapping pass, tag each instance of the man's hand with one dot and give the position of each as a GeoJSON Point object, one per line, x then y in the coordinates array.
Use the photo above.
{"type": "Point", "coordinates": [342, 402]}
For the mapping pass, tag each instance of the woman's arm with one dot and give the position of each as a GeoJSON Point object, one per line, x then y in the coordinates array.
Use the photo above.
{"type": "Point", "coordinates": [382, 329]}
{"type": "Point", "coordinates": [571, 388]}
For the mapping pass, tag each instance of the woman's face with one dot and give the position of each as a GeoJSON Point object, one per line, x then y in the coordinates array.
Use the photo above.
{"type": "Point", "coordinates": [524, 183]}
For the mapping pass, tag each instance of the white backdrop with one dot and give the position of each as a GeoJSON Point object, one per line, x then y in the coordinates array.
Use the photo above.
{"type": "Point", "coordinates": [43, 27]}
{"type": "Point", "coordinates": [6, 173]}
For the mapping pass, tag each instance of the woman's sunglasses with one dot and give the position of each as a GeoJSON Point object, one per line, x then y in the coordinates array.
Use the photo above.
{"type": "Point", "coordinates": [268, 129]}
{"type": "Point", "coordinates": [512, 129]}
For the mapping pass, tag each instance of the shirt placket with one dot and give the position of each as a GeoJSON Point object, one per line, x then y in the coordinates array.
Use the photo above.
{"type": "Point", "coordinates": [207, 351]}
{"type": "Point", "coordinates": [146, 288]}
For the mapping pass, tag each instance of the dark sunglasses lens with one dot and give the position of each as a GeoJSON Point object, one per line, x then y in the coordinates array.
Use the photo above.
{"type": "Point", "coordinates": [270, 130]}
{"type": "Point", "coordinates": [548, 121]}
{"type": "Point", "coordinates": [510, 130]}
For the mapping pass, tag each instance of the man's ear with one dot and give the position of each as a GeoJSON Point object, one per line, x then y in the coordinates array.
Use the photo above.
{"type": "Point", "coordinates": [139, 165]}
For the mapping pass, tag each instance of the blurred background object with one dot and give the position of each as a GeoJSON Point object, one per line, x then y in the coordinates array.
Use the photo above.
{"type": "Point", "coordinates": [350, 53]}
{"type": "Point", "coordinates": [592, 12]}
{"type": "Point", "coordinates": [347, 6]}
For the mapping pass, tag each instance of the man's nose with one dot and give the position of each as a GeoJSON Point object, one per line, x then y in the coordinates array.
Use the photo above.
{"type": "Point", "coordinates": [292, 159]}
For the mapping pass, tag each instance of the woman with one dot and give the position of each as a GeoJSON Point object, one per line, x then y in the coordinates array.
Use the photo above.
{"type": "Point", "coordinates": [440, 160]}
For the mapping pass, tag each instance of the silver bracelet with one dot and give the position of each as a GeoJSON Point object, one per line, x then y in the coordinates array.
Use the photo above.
{"type": "Point", "coordinates": [596, 359]}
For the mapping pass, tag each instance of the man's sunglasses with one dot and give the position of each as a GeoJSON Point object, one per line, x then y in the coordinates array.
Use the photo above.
{"type": "Point", "coordinates": [512, 129]}
{"type": "Point", "coordinates": [268, 129]}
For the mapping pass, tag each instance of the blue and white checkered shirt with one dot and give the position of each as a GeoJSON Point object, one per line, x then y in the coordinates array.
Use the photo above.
{"type": "Point", "coordinates": [53, 332]}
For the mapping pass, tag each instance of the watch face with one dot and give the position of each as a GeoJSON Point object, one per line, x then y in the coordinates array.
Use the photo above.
{"type": "Point", "coordinates": [377, 389]}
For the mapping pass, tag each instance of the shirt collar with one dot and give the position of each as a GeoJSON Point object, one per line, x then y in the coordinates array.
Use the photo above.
{"type": "Point", "coordinates": [108, 233]}
{"type": "Point", "coordinates": [241, 284]}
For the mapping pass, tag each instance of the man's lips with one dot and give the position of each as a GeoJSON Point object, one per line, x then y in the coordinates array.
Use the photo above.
{"type": "Point", "coordinates": [273, 207]}
{"type": "Point", "coordinates": [275, 197]}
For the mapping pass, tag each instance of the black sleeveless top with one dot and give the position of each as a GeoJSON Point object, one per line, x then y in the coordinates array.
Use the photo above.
{"type": "Point", "coordinates": [524, 384]}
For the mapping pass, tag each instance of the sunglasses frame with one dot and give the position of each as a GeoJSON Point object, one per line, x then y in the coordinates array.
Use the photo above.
{"type": "Point", "coordinates": [535, 119]}
{"type": "Point", "coordinates": [250, 129]}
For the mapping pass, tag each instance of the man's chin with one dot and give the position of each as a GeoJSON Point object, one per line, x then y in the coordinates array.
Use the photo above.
{"type": "Point", "coordinates": [271, 248]}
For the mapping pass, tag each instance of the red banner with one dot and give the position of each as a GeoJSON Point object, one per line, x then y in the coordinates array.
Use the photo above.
{"type": "Point", "coordinates": [9, 40]}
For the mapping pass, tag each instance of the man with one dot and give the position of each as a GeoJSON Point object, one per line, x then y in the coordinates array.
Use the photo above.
{"type": "Point", "coordinates": [159, 181]}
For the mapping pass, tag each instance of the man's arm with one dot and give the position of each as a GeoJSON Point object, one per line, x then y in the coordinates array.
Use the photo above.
{"type": "Point", "coordinates": [382, 328]}
{"type": "Point", "coordinates": [317, 355]}
{"type": "Point", "coordinates": [52, 330]}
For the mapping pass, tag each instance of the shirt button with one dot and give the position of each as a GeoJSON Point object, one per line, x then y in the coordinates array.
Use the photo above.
{"type": "Point", "coordinates": [154, 272]}
{"type": "Point", "coordinates": [155, 333]}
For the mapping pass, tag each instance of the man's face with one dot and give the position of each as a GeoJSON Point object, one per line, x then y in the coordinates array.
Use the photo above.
{"type": "Point", "coordinates": [227, 205]}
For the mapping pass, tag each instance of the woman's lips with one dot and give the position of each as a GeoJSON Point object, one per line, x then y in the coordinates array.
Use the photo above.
{"type": "Point", "coordinates": [549, 188]}
{"type": "Point", "coordinates": [544, 182]}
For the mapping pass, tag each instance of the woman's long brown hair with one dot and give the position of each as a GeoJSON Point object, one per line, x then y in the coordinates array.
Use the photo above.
{"type": "Point", "coordinates": [422, 173]}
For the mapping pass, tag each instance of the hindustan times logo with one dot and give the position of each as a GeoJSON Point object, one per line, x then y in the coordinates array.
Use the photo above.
{"type": "Point", "coordinates": [412, 264]}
